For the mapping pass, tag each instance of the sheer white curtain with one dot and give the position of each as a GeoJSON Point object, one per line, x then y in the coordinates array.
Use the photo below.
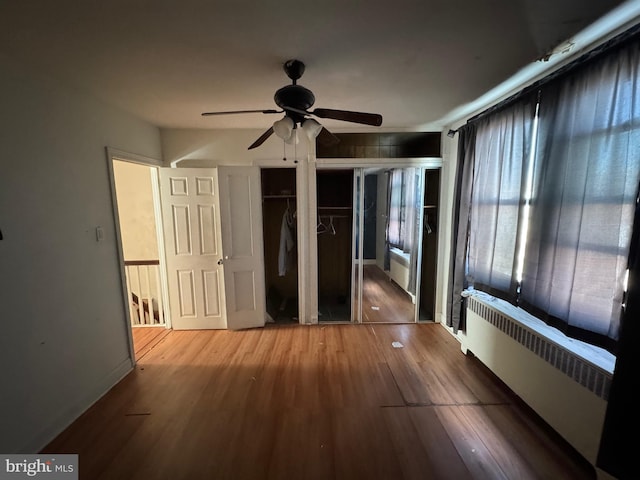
{"type": "Point", "coordinates": [394, 215]}
{"type": "Point", "coordinates": [405, 202]}
{"type": "Point", "coordinates": [502, 154]}
{"type": "Point", "coordinates": [402, 208]}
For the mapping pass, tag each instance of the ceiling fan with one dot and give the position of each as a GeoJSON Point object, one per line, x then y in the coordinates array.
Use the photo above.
{"type": "Point", "coordinates": [295, 102]}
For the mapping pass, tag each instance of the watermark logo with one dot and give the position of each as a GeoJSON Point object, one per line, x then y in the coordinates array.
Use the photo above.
{"type": "Point", "coordinates": [51, 467]}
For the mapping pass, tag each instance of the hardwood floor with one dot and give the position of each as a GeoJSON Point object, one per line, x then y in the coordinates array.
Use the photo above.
{"type": "Point", "coordinates": [145, 338]}
{"type": "Point", "coordinates": [314, 402]}
{"type": "Point", "coordinates": [383, 301]}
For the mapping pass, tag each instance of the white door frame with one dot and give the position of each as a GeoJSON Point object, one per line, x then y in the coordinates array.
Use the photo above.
{"type": "Point", "coordinates": [115, 154]}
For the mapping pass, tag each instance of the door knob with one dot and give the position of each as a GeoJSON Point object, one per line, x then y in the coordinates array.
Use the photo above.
{"type": "Point", "coordinates": [220, 262]}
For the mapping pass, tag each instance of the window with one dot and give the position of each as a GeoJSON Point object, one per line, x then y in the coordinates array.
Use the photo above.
{"type": "Point", "coordinates": [585, 183]}
{"type": "Point", "coordinates": [503, 143]}
{"type": "Point", "coordinates": [403, 195]}
{"type": "Point", "coordinates": [553, 193]}
{"type": "Point", "coordinates": [396, 202]}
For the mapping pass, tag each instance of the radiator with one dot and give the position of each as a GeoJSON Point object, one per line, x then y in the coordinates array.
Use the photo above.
{"type": "Point", "coordinates": [399, 268]}
{"type": "Point", "coordinates": [569, 392]}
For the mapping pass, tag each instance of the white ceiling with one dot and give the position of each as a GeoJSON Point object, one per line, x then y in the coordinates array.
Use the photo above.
{"type": "Point", "coordinates": [414, 62]}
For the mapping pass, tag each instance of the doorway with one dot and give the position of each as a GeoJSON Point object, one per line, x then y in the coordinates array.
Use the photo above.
{"type": "Point", "coordinates": [135, 192]}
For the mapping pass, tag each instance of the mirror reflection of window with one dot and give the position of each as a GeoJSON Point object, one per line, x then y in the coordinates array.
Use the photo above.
{"type": "Point", "coordinates": [404, 194]}
{"type": "Point", "coordinates": [391, 209]}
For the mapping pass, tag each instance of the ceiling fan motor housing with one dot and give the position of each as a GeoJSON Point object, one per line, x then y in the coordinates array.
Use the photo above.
{"type": "Point", "coordinates": [294, 96]}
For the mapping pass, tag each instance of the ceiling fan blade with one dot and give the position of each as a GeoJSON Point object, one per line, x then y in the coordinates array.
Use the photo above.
{"type": "Point", "coordinates": [347, 116]}
{"type": "Point", "coordinates": [262, 138]}
{"type": "Point", "coordinates": [231, 112]}
{"type": "Point", "coordinates": [326, 138]}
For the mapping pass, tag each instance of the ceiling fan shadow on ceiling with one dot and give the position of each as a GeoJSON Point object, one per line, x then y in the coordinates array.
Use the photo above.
{"type": "Point", "coordinates": [295, 102]}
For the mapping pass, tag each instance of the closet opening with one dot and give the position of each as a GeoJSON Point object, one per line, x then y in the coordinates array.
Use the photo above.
{"type": "Point", "coordinates": [389, 217]}
{"type": "Point", "coordinates": [280, 244]}
{"type": "Point", "coordinates": [427, 306]}
{"type": "Point", "coordinates": [394, 265]}
{"type": "Point", "coordinates": [335, 244]}
{"type": "Point", "coordinates": [377, 244]}
{"type": "Point", "coordinates": [382, 271]}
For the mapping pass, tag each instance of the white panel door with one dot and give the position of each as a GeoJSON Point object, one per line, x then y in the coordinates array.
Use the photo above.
{"type": "Point", "coordinates": [191, 224]}
{"type": "Point", "coordinates": [241, 220]}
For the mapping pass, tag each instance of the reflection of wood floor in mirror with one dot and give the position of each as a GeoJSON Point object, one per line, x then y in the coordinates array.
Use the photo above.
{"type": "Point", "coordinates": [383, 301]}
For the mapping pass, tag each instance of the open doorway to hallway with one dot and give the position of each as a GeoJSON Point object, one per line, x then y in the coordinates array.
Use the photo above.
{"type": "Point", "coordinates": [136, 190]}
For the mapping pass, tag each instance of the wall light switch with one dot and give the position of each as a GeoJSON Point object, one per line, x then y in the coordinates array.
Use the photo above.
{"type": "Point", "coordinates": [99, 234]}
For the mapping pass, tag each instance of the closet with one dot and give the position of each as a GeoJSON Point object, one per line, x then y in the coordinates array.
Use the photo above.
{"type": "Point", "coordinates": [335, 245]}
{"type": "Point", "coordinates": [280, 244]}
{"type": "Point", "coordinates": [396, 280]}
{"type": "Point", "coordinates": [427, 306]}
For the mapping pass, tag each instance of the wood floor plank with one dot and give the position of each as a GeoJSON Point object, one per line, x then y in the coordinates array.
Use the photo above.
{"type": "Point", "coordinates": [416, 462]}
{"type": "Point", "coordinates": [440, 450]}
{"type": "Point", "coordinates": [417, 382]}
{"type": "Point", "coordinates": [475, 454]}
{"type": "Point", "coordinates": [313, 402]}
{"type": "Point", "coordinates": [499, 443]}
{"type": "Point", "coordinates": [531, 440]}
{"type": "Point", "coordinates": [363, 448]}
{"type": "Point", "coordinates": [303, 446]}
{"type": "Point", "coordinates": [146, 338]}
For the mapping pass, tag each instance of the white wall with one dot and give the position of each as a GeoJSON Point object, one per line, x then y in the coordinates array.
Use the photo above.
{"type": "Point", "coordinates": [64, 338]}
{"type": "Point", "coordinates": [135, 210]}
{"type": "Point", "coordinates": [193, 148]}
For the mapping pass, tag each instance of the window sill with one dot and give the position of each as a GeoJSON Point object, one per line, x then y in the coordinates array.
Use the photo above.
{"type": "Point", "coordinates": [399, 256]}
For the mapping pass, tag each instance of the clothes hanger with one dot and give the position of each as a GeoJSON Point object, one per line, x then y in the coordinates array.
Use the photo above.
{"type": "Point", "coordinates": [427, 227]}
{"type": "Point", "coordinates": [321, 228]}
{"type": "Point", "coordinates": [332, 229]}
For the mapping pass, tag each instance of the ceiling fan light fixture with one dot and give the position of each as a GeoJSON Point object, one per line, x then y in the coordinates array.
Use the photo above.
{"type": "Point", "coordinates": [283, 128]}
{"type": "Point", "coordinates": [312, 128]}
{"type": "Point", "coordinates": [293, 138]}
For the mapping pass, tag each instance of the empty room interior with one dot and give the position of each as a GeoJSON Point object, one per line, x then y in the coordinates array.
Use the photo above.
{"type": "Point", "coordinates": [388, 240]}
